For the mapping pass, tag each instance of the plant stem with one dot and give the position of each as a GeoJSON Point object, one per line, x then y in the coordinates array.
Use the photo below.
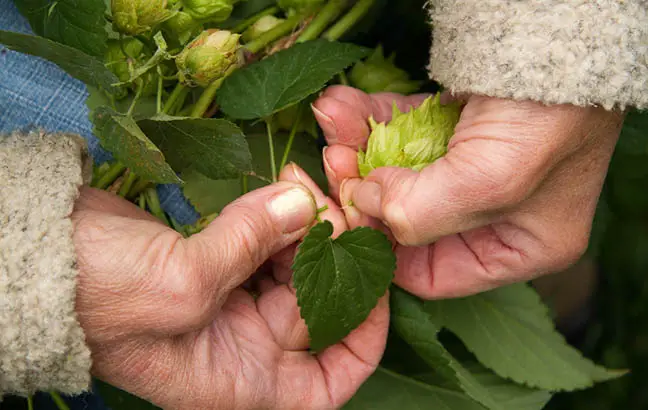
{"type": "Point", "coordinates": [138, 94]}
{"type": "Point", "coordinates": [357, 12]}
{"type": "Point", "coordinates": [275, 34]}
{"type": "Point", "coordinates": [242, 26]}
{"type": "Point", "coordinates": [127, 184]}
{"type": "Point", "coordinates": [60, 403]}
{"type": "Point", "coordinates": [245, 188]}
{"type": "Point", "coordinates": [177, 91]}
{"type": "Point", "coordinates": [322, 20]}
{"type": "Point", "coordinates": [291, 137]}
{"type": "Point", "coordinates": [273, 161]}
{"type": "Point", "coordinates": [186, 111]}
{"type": "Point", "coordinates": [110, 175]}
{"type": "Point", "coordinates": [154, 206]}
{"type": "Point", "coordinates": [180, 101]}
{"type": "Point", "coordinates": [206, 99]}
{"type": "Point", "coordinates": [344, 80]}
{"type": "Point", "coordinates": [160, 87]}
{"type": "Point", "coordinates": [140, 186]}
{"type": "Point", "coordinates": [141, 201]}
{"type": "Point", "coordinates": [30, 403]}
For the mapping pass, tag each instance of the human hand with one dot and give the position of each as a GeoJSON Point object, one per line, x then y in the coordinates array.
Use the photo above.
{"type": "Point", "coordinates": [512, 200]}
{"type": "Point", "coordinates": [167, 318]}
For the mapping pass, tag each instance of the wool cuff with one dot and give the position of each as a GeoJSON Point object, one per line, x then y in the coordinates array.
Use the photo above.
{"type": "Point", "coordinates": [42, 345]}
{"type": "Point", "coordinates": [581, 52]}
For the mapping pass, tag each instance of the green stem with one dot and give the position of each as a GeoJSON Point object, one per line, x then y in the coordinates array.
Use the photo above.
{"type": "Point", "coordinates": [154, 206]}
{"type": "Point", "coordinates": [110, 176]}
{"type": "Point", "coordinates": [322, 20]}
{"type": "Point", "coordinates": [206, 99]}
{"type": "Point", "coordinates": [127, 184]}
{"type": "Point", "coordinates": [242, 26]}
{"type": "Point", "coordinates": [160, 87]}
{"type": "Point", "coordinates": [357, 12]}
{"type": "Point", "coordinates": [344, 80]}
{"type": "Point", "coordinates": [186, 111]}
{"type": "Point", "coordinates": [140, 186]}
{"type": "Point", "coordinates": [138, 94]}
{"type": "Point", "coordinates": [276, 33]}
{"type": "Point", "coordinates": [60, 403]}
{"type": "Point", "coordinates": [180, 101]}
{"type": "Point", "coordinates": [141, 201]}
{"type": "Point", "coordinates": [273, 162]}
{"type": "Point", "coordinates": [245, 186]}
{"type": "Point", "coordinates": [177, 91]}
{"type": "Point", "coordinates": [291, 137]}
{"type": "Point", "coordinates": [30, 403]}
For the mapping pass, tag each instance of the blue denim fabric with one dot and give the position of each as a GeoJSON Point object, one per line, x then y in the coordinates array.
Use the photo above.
{"type": "Point", "coordinates": [36, 93]}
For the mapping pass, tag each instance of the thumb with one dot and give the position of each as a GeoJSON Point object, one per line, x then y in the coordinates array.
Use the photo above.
{"type": "Point", "coordinates": [248, 232]}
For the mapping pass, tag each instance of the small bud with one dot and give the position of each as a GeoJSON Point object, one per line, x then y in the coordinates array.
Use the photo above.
{"type": "Point", "coordinates": [183, 27]}
{"type": "Point", "coordinates": [265, 23]}
{"type": "Point", "coordinates": [134, 17]}
{"type": "Point", "coordinates": [212, 10]}
{"type": "Point", "coordinates": [412, 140]}
{"type": "Point", "coordinates": [208, 57]}
{"type": "Point", "coordinates": [377, 74]}
{"type": "Point", "coordinates": [292, 6]}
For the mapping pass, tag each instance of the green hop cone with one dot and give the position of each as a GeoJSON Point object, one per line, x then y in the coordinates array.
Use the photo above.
{"type": "Point", "coordinates": [412, 140]}
{"type": "Point", "coordinates": [134, 17]}
{"type": "Point", "coordinates": [265, 23]}
{"type": "Point", "coordinates": [208, 57]}
{"type": "Point", "coordinates": [212, 10]}
{"type": "Point", "coordinates": [379, 74]}
{"type": "Point", "coordinates": [292, 6]}
{"type": "Point", "coordinates": [183, 27]}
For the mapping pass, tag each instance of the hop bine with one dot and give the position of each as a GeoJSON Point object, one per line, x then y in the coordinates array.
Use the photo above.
{"type": "Point", "coordinates": [379, 74]}
{"type": "Point", "coordinates": [264, 24]}
{"type": "Point", "coordinates": [212, 10]}
{"type": "Point", "coordinates": [412, 140]}
{"type": "Point", "coordinates": [208, 57]}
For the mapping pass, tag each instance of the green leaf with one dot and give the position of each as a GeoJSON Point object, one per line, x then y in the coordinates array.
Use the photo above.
{"type": "Point", "coordinates": [416, 327]}
{"type": "Point", "coordinates": [214, 147]}
{"type": "Point", "coordinates": [285, 78]}
{"type": "Point", "coordinates": [339, 281]}
{"type": "Point", "coordinates": [634, 135]}
{"type": "Point", "coordinates": [146, 107]}
{"type": "Point", "coordinates": [75, 23]}
{"type": "Point", "coordinates": [209, 195]}
{"type": "Point", "coordinates": [76, 63]}
{"type": "Point", "coordinates": [121, 136]}
{"type": "Point", "coordinates": [509, 330]}
{"type": "Point", "coordinates": [387, 390]}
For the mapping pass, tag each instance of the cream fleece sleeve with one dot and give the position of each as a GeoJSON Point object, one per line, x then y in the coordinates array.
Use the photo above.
{"type": "Point", "coordinates": [42, 345]}
{"type": "Point", "coordinates": [582, 52]}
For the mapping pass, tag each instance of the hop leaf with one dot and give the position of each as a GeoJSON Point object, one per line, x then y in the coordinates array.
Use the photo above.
{"type": "Point", "coordinates": [412, 140]}
{"type": "Point", "coordinates": [212, 10]}
{"type": "Point", "coordinates": [265, 23]}
{"type": "Point", "coordinates": [139, 16]}
{"type": "Point", "coordinates": [378, 74]}
{"type": "Point", "coordinates": [208, 57]}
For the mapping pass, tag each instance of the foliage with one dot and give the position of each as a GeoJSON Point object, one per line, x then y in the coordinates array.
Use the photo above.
{"type": "Point", "coordinates": [188, 115]}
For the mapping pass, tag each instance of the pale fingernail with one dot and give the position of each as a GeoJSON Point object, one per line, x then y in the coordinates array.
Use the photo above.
{"type": "Point", "coordinates": [293, 210]}
{"type": "Point", "coordinates": [327, 166]}
{"type": "Point", "coordinates": [347, 187]}
{"type": "Point", "coordinates": [295, 173]}
{"type": "Point", "coordinates": [327, 124]}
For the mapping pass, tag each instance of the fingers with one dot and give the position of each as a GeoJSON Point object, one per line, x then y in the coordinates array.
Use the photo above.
{"type": "Point", "coordinates": [343, 113]}
{"type": "Point", "coordinates": [340, 163]}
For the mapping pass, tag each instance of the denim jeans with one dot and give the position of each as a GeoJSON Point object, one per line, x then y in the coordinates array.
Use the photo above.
{"type": "Point", "coordinates": [36, 93]}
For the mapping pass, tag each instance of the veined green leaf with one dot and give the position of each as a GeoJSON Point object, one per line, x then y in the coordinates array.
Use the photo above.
{"type": "Point", "coordinates": [120, 135]}
{"type": "Point", "coordinates": [509, 331]}
{"type": "Point", "coordinates": [339, 281]}
{"type": "Point", "coordinates": [75, 23]}
{"type": "Point", "coordinates": [285, 78]}
{"type": "Point", "coordinates": [214, 147]}
{"type": "Point", "coordinates": [76, 63]}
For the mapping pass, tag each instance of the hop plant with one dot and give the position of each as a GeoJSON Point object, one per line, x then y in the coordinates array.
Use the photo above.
{"type": "Point", "coordinates": [292, 6]}
{"type": "Point", "coordinates": [208, 57]}
{"type": "Point", "coordinates": [212, 10]}
{"type": "Point", "coordinates": [411, 140]}
{"type": "Point", "coordinates": [265, 23]}
{"type": "Point", "coordinates": [379, 74]}
{"type": "Point", "coordinates": [183, 27]}
{"type": "Point", "coordinates": [134, 17]}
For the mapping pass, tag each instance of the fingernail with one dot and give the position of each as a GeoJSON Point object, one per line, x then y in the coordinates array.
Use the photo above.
{"type": "Point", "coordinates": [327, 124]}
{"type": "Point", "coordinates": [347, 187]}
{"type": "Point", "coordinates": [295, 173]}
{"type": "Point", "coordinates": [327, 166]}
{"type": "Point", "coordinates": [293, 210]}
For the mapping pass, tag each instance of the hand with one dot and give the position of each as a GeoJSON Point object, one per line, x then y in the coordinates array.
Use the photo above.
{"type": "Point", "coordinates": [512, 200]}
{"type": "Point", "coordinates": [167, 318]}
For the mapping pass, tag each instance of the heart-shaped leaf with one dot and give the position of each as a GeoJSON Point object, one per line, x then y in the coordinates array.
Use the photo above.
{"type": "Point", "coordinates": [339, 281]}
{"type": "Point", "coordinates": [285, 78]}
